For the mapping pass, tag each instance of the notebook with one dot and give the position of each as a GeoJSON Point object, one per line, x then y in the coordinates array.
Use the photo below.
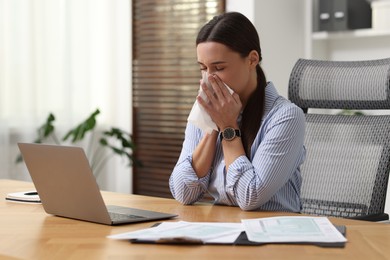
{"type": "Point", "coordinates": [67, 187]}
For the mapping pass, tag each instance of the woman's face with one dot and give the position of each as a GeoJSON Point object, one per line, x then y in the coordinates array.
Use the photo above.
{"type": "Point", "coordinates": [237, 72]}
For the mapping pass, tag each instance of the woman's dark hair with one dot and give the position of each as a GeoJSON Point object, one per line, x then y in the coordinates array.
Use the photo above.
{"type": "Point", "coordinates": [235, 31]}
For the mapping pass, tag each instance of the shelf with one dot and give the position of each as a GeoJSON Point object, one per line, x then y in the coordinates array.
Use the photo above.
{"type": "Point", "coordinates": [359, 33]}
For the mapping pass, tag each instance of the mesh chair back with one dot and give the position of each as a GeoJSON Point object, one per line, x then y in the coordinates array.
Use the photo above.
{"type": "Point", "coordinates": [340, 84]}
{"type": "Point", "coordinates": [348, 156]}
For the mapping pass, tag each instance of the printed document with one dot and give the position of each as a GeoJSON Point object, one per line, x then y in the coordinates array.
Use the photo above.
{"type": "Point", "coordinates": [289, 229]}
{"type": "Point", "coordinates": [203, 232]}
{"type": "Point", "coordinates": [292, 229]}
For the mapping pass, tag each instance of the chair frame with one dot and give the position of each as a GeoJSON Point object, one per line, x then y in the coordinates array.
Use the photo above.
{"type": "Point", "coordinates": [318, 84]}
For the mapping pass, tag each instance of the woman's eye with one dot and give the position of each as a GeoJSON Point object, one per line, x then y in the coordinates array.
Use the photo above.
{"type": "Point", "coordinates": [215, 69]}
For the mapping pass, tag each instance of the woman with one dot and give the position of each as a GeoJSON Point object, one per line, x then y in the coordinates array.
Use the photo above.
{"type": "Point", "coordinates": [253, 160]}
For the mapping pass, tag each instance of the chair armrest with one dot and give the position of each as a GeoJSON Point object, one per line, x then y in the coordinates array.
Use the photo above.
{"type": "Point", "coordinates": [372, 217]}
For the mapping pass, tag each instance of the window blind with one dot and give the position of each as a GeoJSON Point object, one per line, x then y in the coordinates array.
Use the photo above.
{"type": "Point", "coordinates": [165, 83]}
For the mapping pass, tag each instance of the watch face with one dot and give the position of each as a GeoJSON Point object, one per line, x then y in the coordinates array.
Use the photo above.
{"type": "Point", "coordinates": [229, 134]}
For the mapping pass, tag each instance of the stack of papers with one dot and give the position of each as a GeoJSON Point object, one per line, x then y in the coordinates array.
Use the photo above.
{"type": "Point", "coordinates": [291, 229]}
{"type": "Point", "coordinates": [182, 231]}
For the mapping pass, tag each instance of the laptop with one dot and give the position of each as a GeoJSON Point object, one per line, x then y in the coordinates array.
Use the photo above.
{"type": "Point", "coordinates": [67, 187]}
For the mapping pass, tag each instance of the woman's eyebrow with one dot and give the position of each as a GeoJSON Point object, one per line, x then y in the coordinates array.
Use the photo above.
{"type": "Point", "coordinates": [213, 63]}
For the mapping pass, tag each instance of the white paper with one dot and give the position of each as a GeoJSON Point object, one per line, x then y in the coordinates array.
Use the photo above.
{"type": "Point", "coordinates": [204, 231]}
{"type": "Point", "coordinates": [198, 116]}
{"type": "Point", "coordinates": [288, 229]}
{"type": "Point", "coordinates": [292, 229]}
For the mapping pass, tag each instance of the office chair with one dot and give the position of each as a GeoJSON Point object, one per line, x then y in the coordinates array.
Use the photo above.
{"type": "Point", "coordinates": [347, 163]}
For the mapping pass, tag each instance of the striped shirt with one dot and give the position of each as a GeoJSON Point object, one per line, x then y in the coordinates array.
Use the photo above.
{"type": "Point", "coordinates": [269, 180]}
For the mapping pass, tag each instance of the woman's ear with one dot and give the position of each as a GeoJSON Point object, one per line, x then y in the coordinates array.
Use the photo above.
{"type": "Point", "coordinates": [253, 58]}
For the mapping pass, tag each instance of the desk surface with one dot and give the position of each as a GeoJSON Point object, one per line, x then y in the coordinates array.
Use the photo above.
{"type": "Point", "coordinates": [27, 232]}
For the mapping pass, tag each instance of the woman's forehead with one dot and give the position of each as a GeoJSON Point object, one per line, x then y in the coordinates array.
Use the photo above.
{"type": "Point", "coordinates": [214, 52]}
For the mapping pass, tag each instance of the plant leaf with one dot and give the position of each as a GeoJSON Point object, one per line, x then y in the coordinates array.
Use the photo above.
{"type": "Point", "coordinates": [80, 130]}
{"type": "Point", "coordinates": [126, 144]}
{"type": "Point", "coordinates": [45, 130]}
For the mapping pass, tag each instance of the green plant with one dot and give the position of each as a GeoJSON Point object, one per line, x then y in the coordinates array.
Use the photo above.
{"type": "Point", "coordinates": [116, 140]}
{"type": "Point", "coordinates": [349, 112]}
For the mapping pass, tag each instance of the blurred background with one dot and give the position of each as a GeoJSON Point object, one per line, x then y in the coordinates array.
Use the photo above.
{"type": "Point", "coordinates": [136, 62]}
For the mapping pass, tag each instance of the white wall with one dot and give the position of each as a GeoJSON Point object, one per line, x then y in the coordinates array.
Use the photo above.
{"type": "Point", "coordinates": [281, 28]}
{"type": "Point", "coordinates": [246, 7]}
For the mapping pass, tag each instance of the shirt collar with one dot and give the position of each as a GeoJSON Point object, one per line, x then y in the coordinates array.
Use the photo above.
{"type": "Point", "coordinates": [271, 95]}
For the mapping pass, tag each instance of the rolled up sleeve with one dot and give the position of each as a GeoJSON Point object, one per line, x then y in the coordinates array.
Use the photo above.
{"type": "Point", "coordinates": [276, 157]}
{"type": "Point", "coordinates": [184, 184]}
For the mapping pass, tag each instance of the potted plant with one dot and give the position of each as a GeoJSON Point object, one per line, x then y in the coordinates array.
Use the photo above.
{"type": "Point", "coordinates": [113, 141]}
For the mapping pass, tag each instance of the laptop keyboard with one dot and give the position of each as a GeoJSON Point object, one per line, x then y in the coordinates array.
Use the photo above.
{"type": "Point", "coordinates": [120, 216]}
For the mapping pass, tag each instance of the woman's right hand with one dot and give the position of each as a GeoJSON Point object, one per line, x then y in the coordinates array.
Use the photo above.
{"type": "Point", "coordinates": [223, 107]}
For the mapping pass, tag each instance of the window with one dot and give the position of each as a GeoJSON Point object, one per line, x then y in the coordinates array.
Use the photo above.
{"type": "Point", "coordinates": [165, 83]}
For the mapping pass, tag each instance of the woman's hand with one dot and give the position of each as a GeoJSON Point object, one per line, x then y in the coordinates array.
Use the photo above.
{"type": "Point", "coordinates": [223, 107]}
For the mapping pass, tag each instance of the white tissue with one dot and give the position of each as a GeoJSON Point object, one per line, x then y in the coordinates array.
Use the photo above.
{"type": "Point", "coordinates": [198, 116]}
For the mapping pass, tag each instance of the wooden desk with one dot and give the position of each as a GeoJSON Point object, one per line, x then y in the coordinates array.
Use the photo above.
{"type": "Point", "coordinates": [27, 232]}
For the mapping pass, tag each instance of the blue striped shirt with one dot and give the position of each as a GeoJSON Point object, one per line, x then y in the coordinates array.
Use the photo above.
{"type": "Point", "coordinates": [269, 180]}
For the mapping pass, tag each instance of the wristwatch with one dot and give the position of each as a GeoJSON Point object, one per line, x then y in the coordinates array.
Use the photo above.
{"type": "Point", "coordinates": [229, 133]}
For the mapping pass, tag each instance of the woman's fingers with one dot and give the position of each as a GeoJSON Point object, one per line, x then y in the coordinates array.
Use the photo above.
{"type": "Point", "coordinates": [218, 87]}
{"type": "Point", "coordinates": [208, 92]}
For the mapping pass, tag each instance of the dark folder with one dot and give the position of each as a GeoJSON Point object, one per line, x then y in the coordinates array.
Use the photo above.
{"type": "Point", "coordinates": [242, 240]}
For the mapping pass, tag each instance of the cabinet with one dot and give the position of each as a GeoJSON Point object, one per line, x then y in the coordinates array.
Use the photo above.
{"type": "Point", "coordinates": [359, 44]}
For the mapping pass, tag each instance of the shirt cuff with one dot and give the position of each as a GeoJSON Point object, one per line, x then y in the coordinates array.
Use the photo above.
{"type": "Point", "coordinates": [236, 170]}
{"type": "Point", "coordinates": [193, 181]}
